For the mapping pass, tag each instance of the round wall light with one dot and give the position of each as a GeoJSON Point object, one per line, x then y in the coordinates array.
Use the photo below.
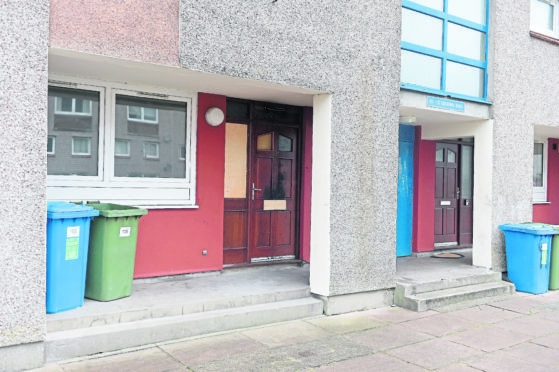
{"type": "Point", "coordinates": [214, 116]}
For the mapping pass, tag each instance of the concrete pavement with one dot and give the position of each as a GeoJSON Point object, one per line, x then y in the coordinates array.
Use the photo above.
{"type": "Point", "coordinates": [520, 333]}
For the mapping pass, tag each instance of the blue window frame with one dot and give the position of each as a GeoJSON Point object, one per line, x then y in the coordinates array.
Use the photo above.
{"type": "Point", "coordinates": [455, 65]}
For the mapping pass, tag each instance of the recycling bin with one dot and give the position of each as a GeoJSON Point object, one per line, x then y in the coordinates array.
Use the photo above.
{"type": "Point", "coordinates": [528, 250]}
{"type": "Point", "coordinates": [68, 227]}
{"type": "Point", "coordinates": [112, 251]}
{"type": "Point", "coordinates": [554, 268]}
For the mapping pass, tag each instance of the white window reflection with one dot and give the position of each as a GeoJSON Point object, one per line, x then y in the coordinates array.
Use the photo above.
{"type": "Point", "coordinates": [465, 42]}
{"type": "Point", "coordinates": [421, 29]}
{"type": "Point", "coordinates": [464, 79]}
{"type": "Point", "coordinates": [472, 10]}
{"type": "Point", "coordinates": [422, 70]}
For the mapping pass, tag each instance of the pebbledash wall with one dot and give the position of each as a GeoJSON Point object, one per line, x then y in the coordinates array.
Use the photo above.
{"type": "Point", "coordinates": [23, 107]}
{"type": "Point", "coordinates": [525, 94]}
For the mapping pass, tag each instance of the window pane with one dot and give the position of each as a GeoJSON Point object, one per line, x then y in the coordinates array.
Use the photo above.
{"type": "Point", "coordinates": [152, 146]}
{"type": "Point", "coordinates": [134, 112]}
{"type": "Point", "coordinates": [472, 10]}
{"type": "Point", "coordinates": [541, 15]}
{"type": "Point", "coordinates": [466, 42]}
{"type": "Point", "coordinates": [421, 29]}
{"type": "Point", "coordinates": [81, 146]}
{"type": "Point", "coordinates": [464, 79]}
{"type": "Point", "coordinates": [538, 164]}
{"type": "Point", "coordinates": [285, 143]}
{"type": "Point", "coordinates": [467, 172]}
{"type": "Point", "coordinates": [150, 114]}
{"type": "Point", "coordinates": [421, 70]}
{"type": "Point", "coordinates": [435, 4]}
{"type": "Point", "coordinates": [264, 142]}
{"type": "Point", "coordinates": [451, 156]}
{"type": "Point", "coordinates": [439, 155]}
{"type": "Point", "coordinates": [122, 147]}
{"type": "Point", "coordinates": [68, 125]}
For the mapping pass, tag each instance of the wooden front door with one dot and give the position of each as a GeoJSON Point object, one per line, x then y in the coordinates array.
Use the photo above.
{"type": "Point", "coordinates": [446, 195]}
{"type": "Point", "coordinates": [273, 192]}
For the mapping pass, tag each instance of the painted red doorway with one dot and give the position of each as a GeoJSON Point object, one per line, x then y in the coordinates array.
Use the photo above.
{"type": "Point", "coordinates": [263, 178]}
{"type": "Point", "coordinates": [454, 194]}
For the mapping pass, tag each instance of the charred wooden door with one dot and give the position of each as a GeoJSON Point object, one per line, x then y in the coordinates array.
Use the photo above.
{"type": "Point", "coordinates": [273, 189]}
{"type": "Point", "coordinates": [446, 195]}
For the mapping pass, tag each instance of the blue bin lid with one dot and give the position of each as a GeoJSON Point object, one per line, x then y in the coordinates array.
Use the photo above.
{"type": "Point", "coordinates": [60, 209]}
{"type": "Point", "coordinates": [529, 229]}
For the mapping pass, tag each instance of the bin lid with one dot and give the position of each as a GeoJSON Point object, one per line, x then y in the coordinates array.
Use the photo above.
{"type": "Point", "coordinates": [117, 210]}
{"type": "Point", "coordinates": [60, 209]}
{"type": "Point", "coordinates": [533, 229]}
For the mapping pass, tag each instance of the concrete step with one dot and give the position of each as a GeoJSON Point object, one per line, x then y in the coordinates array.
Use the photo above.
{"type": "Point", "coordinates": [91, 340]}
{"type": "Point", "coordinates": [448, 296]}
{"type": "Point", "coordinates": [412, 287]}
{"type": "Point", "coordinates": [100, 315]}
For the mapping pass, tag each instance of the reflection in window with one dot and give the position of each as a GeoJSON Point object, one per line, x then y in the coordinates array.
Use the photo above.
{"type": "Point", "coordinates": [285, 143]}
{"type": "Point", "coordinates": [51, 142]}
{"type": "Point", "coordinates": [155, 129]}
{"type": "Point", "coordinates": [122, 147]}
{"type": "Point", "coordinates": [471, 10]}
{"type": "Point", "coordinates": [65, 105]}
{"type": "Point", "coordinates": [451, 156]}
{"type": "Point", "coordinates": [466, 42]}
{"type": "Point", "coordinates": [81, 146]}
{"type": "Point", "coordinates": [431, 35]}
{"type": "Point", "coordinates": [264, 142]}
{"type": "Point", "coordinates": [464, 79]}
{"type": "Point", "coordinates": [421, 70]}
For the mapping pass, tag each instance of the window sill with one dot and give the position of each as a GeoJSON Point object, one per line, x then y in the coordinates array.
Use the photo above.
{"type": "Point", "coordinates": [541, 202]}
{"type": "Point", "coordinates": [543, 37]}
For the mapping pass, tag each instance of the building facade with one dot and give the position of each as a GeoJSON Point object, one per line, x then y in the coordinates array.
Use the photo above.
{"type": "Point", "coordinates": [352, 132]}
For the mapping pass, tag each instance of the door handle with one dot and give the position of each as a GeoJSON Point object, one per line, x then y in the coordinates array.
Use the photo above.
{"type": "Point", "coordinates": [254, 189]}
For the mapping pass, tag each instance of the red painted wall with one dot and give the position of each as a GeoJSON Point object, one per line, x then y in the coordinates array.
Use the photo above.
{"type": "Point", "coordinates": [423, 232]}
{"type": "Point", "coordinates": [306, 181]}
{"type": "Point", "coordinates": [549, 213]}
{"type": "Point", "coordinates": [171, 241]}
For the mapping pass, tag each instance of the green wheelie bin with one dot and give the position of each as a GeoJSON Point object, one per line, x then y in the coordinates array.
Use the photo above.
{"type": "Point", "coordinates": [554, 260]}
{"type": "Point", "coordinates": [112, 251]}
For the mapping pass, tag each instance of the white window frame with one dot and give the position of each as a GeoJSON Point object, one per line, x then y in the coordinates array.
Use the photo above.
{"type": "Point", "coordinates": [149, 192]}
{"type": "Point", "coordinates": [142, 119]}
{"type": "Point", "coordinates": [73, 112]}
{"type": "Point", "coordinates": [534, 27]}
{"type": "Point", "coordinates": [148, 156]}
{"type": "Point", "coordinates": [539, 194]}
{"type": "Point", "coordinates": [75, 153]}
{"type": "Point", "coordinates": [53, 138]}
{"type": "Point", "coordinates": [127, 155]}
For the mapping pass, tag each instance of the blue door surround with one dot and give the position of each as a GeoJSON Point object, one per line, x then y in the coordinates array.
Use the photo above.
{"type": "Point", "coordinates": [405, 190]}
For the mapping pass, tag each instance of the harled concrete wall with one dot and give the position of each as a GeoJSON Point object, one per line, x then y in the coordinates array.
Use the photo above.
{"type": "Point", "coordinates": [23, 138]}
{"type": "Point", "coordinates": [525, 92]}
{"type": "Point", "coordinates": [348, 48]}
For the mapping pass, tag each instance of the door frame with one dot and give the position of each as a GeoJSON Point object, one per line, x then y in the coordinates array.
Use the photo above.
{"type": "Point", "coordinates": [251, 123]}
{"type": "Point", "coordinates": [460, 142]}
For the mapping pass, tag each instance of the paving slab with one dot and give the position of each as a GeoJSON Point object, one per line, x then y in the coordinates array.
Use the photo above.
{"type": "Point", "coordinates": [147, 360]}
{"type": "Point", "coordinates": [286, 333]}
{"type": "Point", "coordinates": [440, 324]}
{"type": "Point", "coordinates": [519, 304]}
{"type": "Point", "coordinates": [485, 314]}
{"type": "Point", "coordinates": [289, 358]}
{"type": "Point", "coordinates": [488, 338]}
{"type": "Point", "coordinates": [346, 323]}
{"type": "Point", "coordinates": [502, 362]}
{"type": "Point", "coordinates": [211, 348]}
{"type": "Point", "coordinates": [530, 325]}
{"type": "Point", "coordinates": [432, 354]}
{"type": "Point", "coordinates": [551, 341]}
{"type": "Point", "coordinates": [459, 367]}
{"type": "Point", "coordinates": [377, 362]}
{"type": "Point", "coordinates": [399, 315]}
{"type": "Point", "coordinates": [388, 337]}
{"type": "Point", "coordinates": [533, 353]}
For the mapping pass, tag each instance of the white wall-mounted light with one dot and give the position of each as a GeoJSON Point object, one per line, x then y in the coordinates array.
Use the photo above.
{"type": "Point", "coordinates": [214, 116]}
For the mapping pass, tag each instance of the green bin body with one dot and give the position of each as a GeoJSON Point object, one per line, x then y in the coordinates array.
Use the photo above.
{"type": "Point", "coordinates": [554, 260]}
{"type": "Point", "coordinates": [112, 251]}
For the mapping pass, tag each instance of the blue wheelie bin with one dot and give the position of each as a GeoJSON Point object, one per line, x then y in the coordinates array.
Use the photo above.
{"type": "Point", "coordinates": [528, 250]}
{"type": "Point", "coordinates": [67, 243]}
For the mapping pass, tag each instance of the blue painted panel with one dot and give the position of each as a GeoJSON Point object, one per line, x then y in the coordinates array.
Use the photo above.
{"type": "Point", "coordinates": [405, 191]}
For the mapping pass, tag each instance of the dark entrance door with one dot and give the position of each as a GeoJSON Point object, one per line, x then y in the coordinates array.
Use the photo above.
{"type": "Point", "coordinates": [446, 195]}
{"type": "Point", "coordinates": [454, 194]}
{"type": "Point", "coordinates": [273, 196]}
